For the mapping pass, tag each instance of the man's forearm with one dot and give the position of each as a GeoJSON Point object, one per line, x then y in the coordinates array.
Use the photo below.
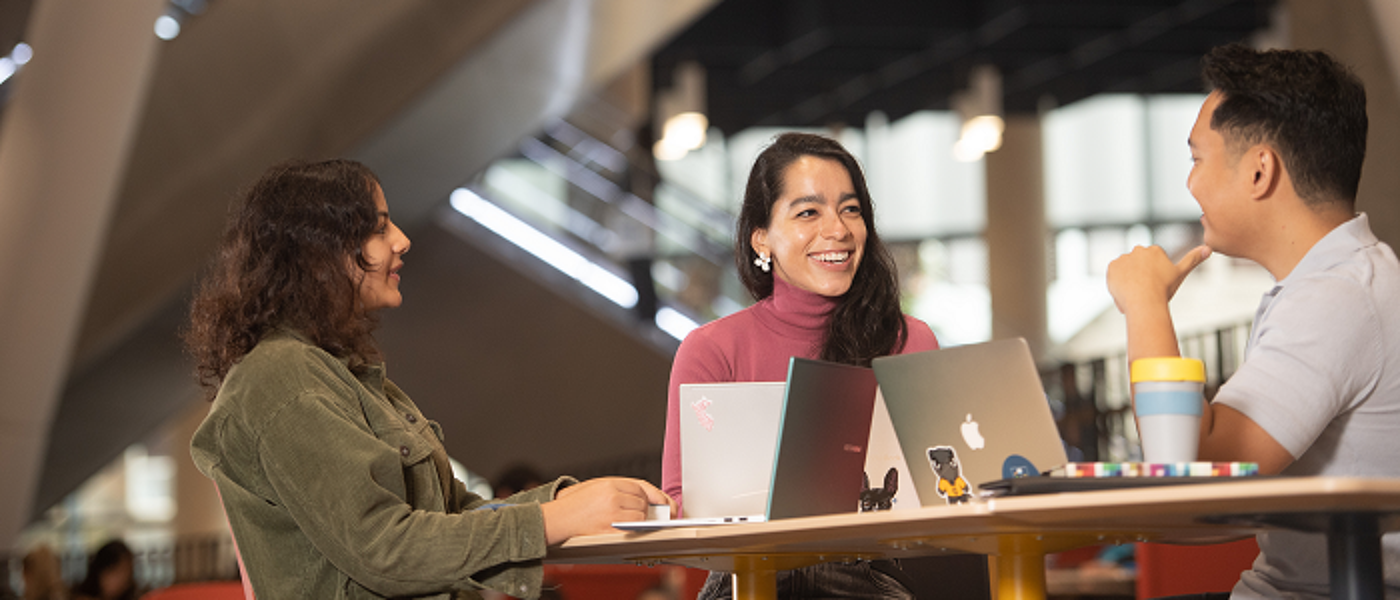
{"type": "Point", "coordinates": [1151, 333]}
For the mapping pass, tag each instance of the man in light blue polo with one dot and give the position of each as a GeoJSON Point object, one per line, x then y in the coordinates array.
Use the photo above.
{"type": "Point", "coordinates": [1276, 154]}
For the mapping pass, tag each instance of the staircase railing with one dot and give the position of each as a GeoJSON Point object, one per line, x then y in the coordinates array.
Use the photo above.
{"type": "Point", "coordinates": [578, 190]}
{"type": "Point", "coordinates": [1092, 398]}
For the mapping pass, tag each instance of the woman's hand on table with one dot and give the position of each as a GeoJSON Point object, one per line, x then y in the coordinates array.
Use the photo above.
{"type": "Point", "coordinates": [594, 505]}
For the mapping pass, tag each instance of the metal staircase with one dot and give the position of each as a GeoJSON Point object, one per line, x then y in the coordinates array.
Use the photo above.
{"type": "Point", "coordinates": [666, 266]}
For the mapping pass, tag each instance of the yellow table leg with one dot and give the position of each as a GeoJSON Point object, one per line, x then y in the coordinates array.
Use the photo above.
{"type": "Point", "coordinates": [755, 585]}
{"type": "Point", "coordinates": [1020, 568]}
{"type": "Point", "coordinates": [755, 578]}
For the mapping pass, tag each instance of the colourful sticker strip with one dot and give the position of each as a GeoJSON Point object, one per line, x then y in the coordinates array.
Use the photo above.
{"type": "Point", "coordinates": [1138, 469]}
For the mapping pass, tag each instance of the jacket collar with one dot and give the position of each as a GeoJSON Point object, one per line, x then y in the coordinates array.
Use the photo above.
{"type": "Point", "coordinates": [374, 374]}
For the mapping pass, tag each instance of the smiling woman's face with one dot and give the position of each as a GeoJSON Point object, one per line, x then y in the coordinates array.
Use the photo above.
{"type": "Point", "coordinates": [816, 235]}
{"type": "Point", "coordinates": [379, 287]}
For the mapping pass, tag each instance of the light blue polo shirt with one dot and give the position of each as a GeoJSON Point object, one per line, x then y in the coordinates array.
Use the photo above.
{"type": "Point", "coordinates": [1322, 376]}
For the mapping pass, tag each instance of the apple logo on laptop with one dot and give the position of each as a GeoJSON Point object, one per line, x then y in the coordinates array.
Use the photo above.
{"type": "Point", "coordinates": [972, 435]}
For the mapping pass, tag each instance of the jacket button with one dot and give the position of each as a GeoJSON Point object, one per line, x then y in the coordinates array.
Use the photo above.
{"type": "Point", "coordinates": [411, 418]}
{"type": "Point", "coordinates": [404, 451]}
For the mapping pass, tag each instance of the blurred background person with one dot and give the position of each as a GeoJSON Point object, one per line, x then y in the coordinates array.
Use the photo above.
{"type": "Point", "coordinates": [43, 575]}
{"type": "Point", "coordinates": [111, 574]}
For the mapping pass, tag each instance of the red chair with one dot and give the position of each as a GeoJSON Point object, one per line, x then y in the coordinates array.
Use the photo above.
{"type": "Point", "coordinates": [611, 582]}
{"type": "Point", "coordinates": [1170, 570]}
{"type": "Point", "coordinates": [209, 590]}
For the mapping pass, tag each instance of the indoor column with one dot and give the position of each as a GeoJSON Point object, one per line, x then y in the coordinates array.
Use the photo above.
{"type": "Point", "coordinates": [1016, 235]}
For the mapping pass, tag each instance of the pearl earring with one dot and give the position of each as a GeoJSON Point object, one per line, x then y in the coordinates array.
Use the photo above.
{"type": "Point", "coordinates": [763, 262]}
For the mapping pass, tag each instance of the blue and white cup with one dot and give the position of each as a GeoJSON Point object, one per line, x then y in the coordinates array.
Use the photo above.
{"type": "Point", "coordinates": [1168, 401]}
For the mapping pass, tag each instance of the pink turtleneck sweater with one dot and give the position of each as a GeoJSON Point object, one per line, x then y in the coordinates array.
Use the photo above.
{"type": "Point", "coordinates": [754, 344]}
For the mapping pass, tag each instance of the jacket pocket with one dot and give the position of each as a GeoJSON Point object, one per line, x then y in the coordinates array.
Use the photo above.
{"type": "Point", "coordinates": [412, 448]}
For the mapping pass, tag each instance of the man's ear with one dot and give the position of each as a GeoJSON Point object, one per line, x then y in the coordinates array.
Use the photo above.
{"type": "Point", "coordinates": [1267, 170]}
{"type": "Point", "coordinates": [759, 241]}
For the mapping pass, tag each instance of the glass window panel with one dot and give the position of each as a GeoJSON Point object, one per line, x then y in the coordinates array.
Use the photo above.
{"type": "Point", "coordinates": [921, 191]}
{"type": "Point", "coordinates": [745, 146]}
{"type": "Point", "coordinates": [1095, 162]}
{"type": "Point", "coordinates": [951, 295]}
{"type": "Point", "coordinates": [1170, 119]}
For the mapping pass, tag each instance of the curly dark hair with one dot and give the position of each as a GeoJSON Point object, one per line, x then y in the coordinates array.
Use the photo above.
{"type": "Point", "coordinates": [867, 322]}
{"type": "Point", "coordinates": [1309, 107]}
{"type": "Point", "coordinates": [284, 263]}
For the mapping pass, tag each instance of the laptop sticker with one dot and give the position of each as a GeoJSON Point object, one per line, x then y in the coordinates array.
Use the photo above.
{"type": "Point", "coordinates": [699, 406]}
{"type": "Point", "coordinates": [1017, 466]}
{"type": "Point", "coordinates": [880, 498]}
{"type": "Point", "coordinates": [951, 485]}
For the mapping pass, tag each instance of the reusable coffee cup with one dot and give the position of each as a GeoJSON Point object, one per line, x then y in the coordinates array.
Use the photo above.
{"type": "Point", "coordinates": [1167, 399]}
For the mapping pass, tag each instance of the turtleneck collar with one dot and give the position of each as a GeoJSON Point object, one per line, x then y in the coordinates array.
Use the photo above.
{"type": "Point", "coordinates": [798, 308]}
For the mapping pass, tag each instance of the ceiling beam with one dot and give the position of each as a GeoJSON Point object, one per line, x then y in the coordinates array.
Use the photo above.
{"type": "Point", "coordinates": [906, 68]}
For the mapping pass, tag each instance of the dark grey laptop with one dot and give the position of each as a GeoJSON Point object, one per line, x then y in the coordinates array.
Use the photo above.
{"type": "Point", "coordinates": [822, 441]}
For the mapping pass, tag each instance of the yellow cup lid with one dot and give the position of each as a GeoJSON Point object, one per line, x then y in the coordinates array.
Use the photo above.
{"type": "Point", "coordinates": [1168, 368]}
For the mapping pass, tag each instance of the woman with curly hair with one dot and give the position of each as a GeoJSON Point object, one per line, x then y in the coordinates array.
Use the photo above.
{"type": "Point", "coordinates": [334, 483]}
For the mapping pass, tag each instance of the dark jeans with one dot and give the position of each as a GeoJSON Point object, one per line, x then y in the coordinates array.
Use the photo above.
{"type": "Point", "coordinates": [859, 581]}
{"type": "Point", "coordinates": [944, 577]}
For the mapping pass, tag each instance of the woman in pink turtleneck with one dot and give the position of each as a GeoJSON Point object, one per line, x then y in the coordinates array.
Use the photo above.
{"type": "Point", "coordinates": [826, 288]}
{"type": "Point", "coordinates": [754, 344]}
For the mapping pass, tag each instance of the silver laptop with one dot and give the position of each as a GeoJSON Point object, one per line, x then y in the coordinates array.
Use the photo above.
{"type": "Point", "coordinates": [811, 457]}
{"type": "Point", "coordinates": [968, 415]}
{"type": "Point", "coordinates": [729, 435]}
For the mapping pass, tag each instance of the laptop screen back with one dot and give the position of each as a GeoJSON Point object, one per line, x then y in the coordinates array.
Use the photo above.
{"type": "Point", "coordinates": [729, 434]}
{"type": "Point", "coordinates": [975, 412]}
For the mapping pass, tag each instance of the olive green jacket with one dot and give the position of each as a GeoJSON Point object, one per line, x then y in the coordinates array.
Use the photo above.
{"type": "Point", "coordinates": [336, 486]}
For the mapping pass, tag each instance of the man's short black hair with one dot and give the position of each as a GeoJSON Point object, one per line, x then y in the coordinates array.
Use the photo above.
{"type": "Point", "coordinates": [1309, 107]}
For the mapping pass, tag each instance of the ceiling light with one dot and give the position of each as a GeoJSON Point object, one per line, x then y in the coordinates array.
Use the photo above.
{"type": "Point", "coordinates": [545, 248]}
{"type": "Point", "coordinates": [980, 135]}
{"type": "Point", "coordinates": [680, 113]}
{"type": "Point", "coordinates": [667, 149]}
{"type": "Point", "coordinates": [22, 53]}
{"type": "Point", "coordinates": [674, 323]}
{"type": "Point", "coordinates": [686, 130]}
{"type": "Point", "coordinates": [979, 108]}
{"type": "Point", "coordinates": [167, 27]}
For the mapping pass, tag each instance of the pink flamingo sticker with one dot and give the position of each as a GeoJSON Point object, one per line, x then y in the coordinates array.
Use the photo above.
{"type": "Point", "coordinates": [699, 406]}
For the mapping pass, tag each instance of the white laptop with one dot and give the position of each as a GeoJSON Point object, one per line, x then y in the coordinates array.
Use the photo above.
{"type": "Point", "coordinates": [759, 451]}
{"type": "Point", "coordinates": [887, 484]}
{"type": "Point", "coordinates": [729, 436]}
{"type": "Point", "coordinates": [968, 415]}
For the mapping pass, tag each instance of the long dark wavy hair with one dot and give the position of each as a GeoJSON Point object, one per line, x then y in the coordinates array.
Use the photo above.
{"type": "Point", "coordinates": [284, 262]}
{"type": "Point", "coordinates": [867, 321]}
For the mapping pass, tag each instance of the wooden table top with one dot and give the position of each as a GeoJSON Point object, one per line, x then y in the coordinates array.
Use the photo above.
{"type": "Point", "coordinates": [1042, 523]}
